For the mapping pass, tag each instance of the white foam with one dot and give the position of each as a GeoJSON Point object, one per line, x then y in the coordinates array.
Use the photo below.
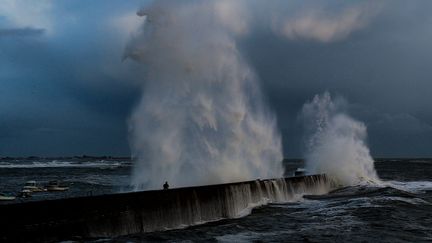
{"type": "Point", "coordinates": [202, 118]}
{"type": "Point", "coordinates": [410, 186]}
{"type": "Point", "coordinates": [248, 210]}
{"type": "Point", "coordinates": [337, 144]}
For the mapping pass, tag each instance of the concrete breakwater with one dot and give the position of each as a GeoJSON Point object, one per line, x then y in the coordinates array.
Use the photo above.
{"type": "Point", "coordinates": [136, 212]}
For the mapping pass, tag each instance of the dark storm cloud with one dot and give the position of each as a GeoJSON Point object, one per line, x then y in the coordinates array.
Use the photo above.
{"type": "Point", "coordinates": [65, 93]}
{"type": "Point", "coordinates": [68, 92]}
{"type": "Point", "coordinates": [46, 110]}
{"type": "Point", "coordinates": [20, 32]}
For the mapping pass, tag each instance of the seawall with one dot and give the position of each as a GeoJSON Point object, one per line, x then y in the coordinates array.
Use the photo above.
{"type": "Point", "coordinates": [135, 212]}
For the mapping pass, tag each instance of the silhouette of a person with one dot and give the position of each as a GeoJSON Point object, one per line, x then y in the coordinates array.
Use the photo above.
{"type": "Point", "coordinates": [165, 186]}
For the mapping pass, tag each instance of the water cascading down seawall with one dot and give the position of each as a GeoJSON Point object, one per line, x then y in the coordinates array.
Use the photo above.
{"type": "Point", "coordinates": [147, 211]}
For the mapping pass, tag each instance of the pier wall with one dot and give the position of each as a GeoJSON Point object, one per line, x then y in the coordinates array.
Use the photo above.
{"type": "Point", "coordinates": [137, 212]}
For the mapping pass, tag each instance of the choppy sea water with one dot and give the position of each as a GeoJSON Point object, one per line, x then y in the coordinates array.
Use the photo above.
{"type": "Point", "coordinates": [83, 176]}
{"type": "Point", "coordinates": [400, 210]}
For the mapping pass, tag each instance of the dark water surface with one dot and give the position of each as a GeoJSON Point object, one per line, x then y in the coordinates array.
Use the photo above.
{"type": "Point", "coordinates": [400, 210]}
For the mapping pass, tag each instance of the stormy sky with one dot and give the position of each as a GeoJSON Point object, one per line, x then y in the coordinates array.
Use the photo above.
{"type": "Point", "coordinates": [66, 90]}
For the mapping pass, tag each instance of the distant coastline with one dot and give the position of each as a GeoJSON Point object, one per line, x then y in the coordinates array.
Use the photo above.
{"type": "Point", "coordinates": [81, 157]}
{"type": "Point", "coordinates": [128, 158]}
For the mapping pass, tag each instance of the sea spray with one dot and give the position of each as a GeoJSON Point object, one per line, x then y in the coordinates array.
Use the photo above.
{"type": "Point", "coordinates": [336, 143]}
{"type": "Point", "coordinates": [201, 118]}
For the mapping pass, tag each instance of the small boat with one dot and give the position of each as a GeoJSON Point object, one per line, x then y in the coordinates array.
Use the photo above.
{"type": "Point", "coordinates": [300, 172]}
{"type": "Point", "coordinates": [55, 186]}
{"type": "Point", "coordinates": [6, 197]}
{"type": "Point", "coordinates": [25, 193]}
{"type": "Point", "coordinates": [33, 187]}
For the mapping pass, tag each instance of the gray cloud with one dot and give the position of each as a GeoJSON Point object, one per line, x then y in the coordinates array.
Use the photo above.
{"type": "Point", "coordinates": [325, 26]}
{"type": "Point", "coordinates": [20, 32]}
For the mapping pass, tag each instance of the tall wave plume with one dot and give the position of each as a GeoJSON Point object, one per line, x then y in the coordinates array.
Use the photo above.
{"type": "Point", "coordinates": [201, 118]}
{"type": "Point", "coordinates": [336, 143]}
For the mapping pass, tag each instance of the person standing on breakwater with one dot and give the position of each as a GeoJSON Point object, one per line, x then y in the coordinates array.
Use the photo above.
{"type": "Point", "coordinates": [165, 186]}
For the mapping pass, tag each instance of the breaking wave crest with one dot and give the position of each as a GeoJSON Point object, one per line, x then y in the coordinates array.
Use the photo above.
{"type": "Point", "coordinates": [337, 143]}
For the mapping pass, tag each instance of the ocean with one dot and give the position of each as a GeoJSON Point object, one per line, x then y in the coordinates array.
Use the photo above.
{"type": "Point", "coordinates": [397, 210]}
